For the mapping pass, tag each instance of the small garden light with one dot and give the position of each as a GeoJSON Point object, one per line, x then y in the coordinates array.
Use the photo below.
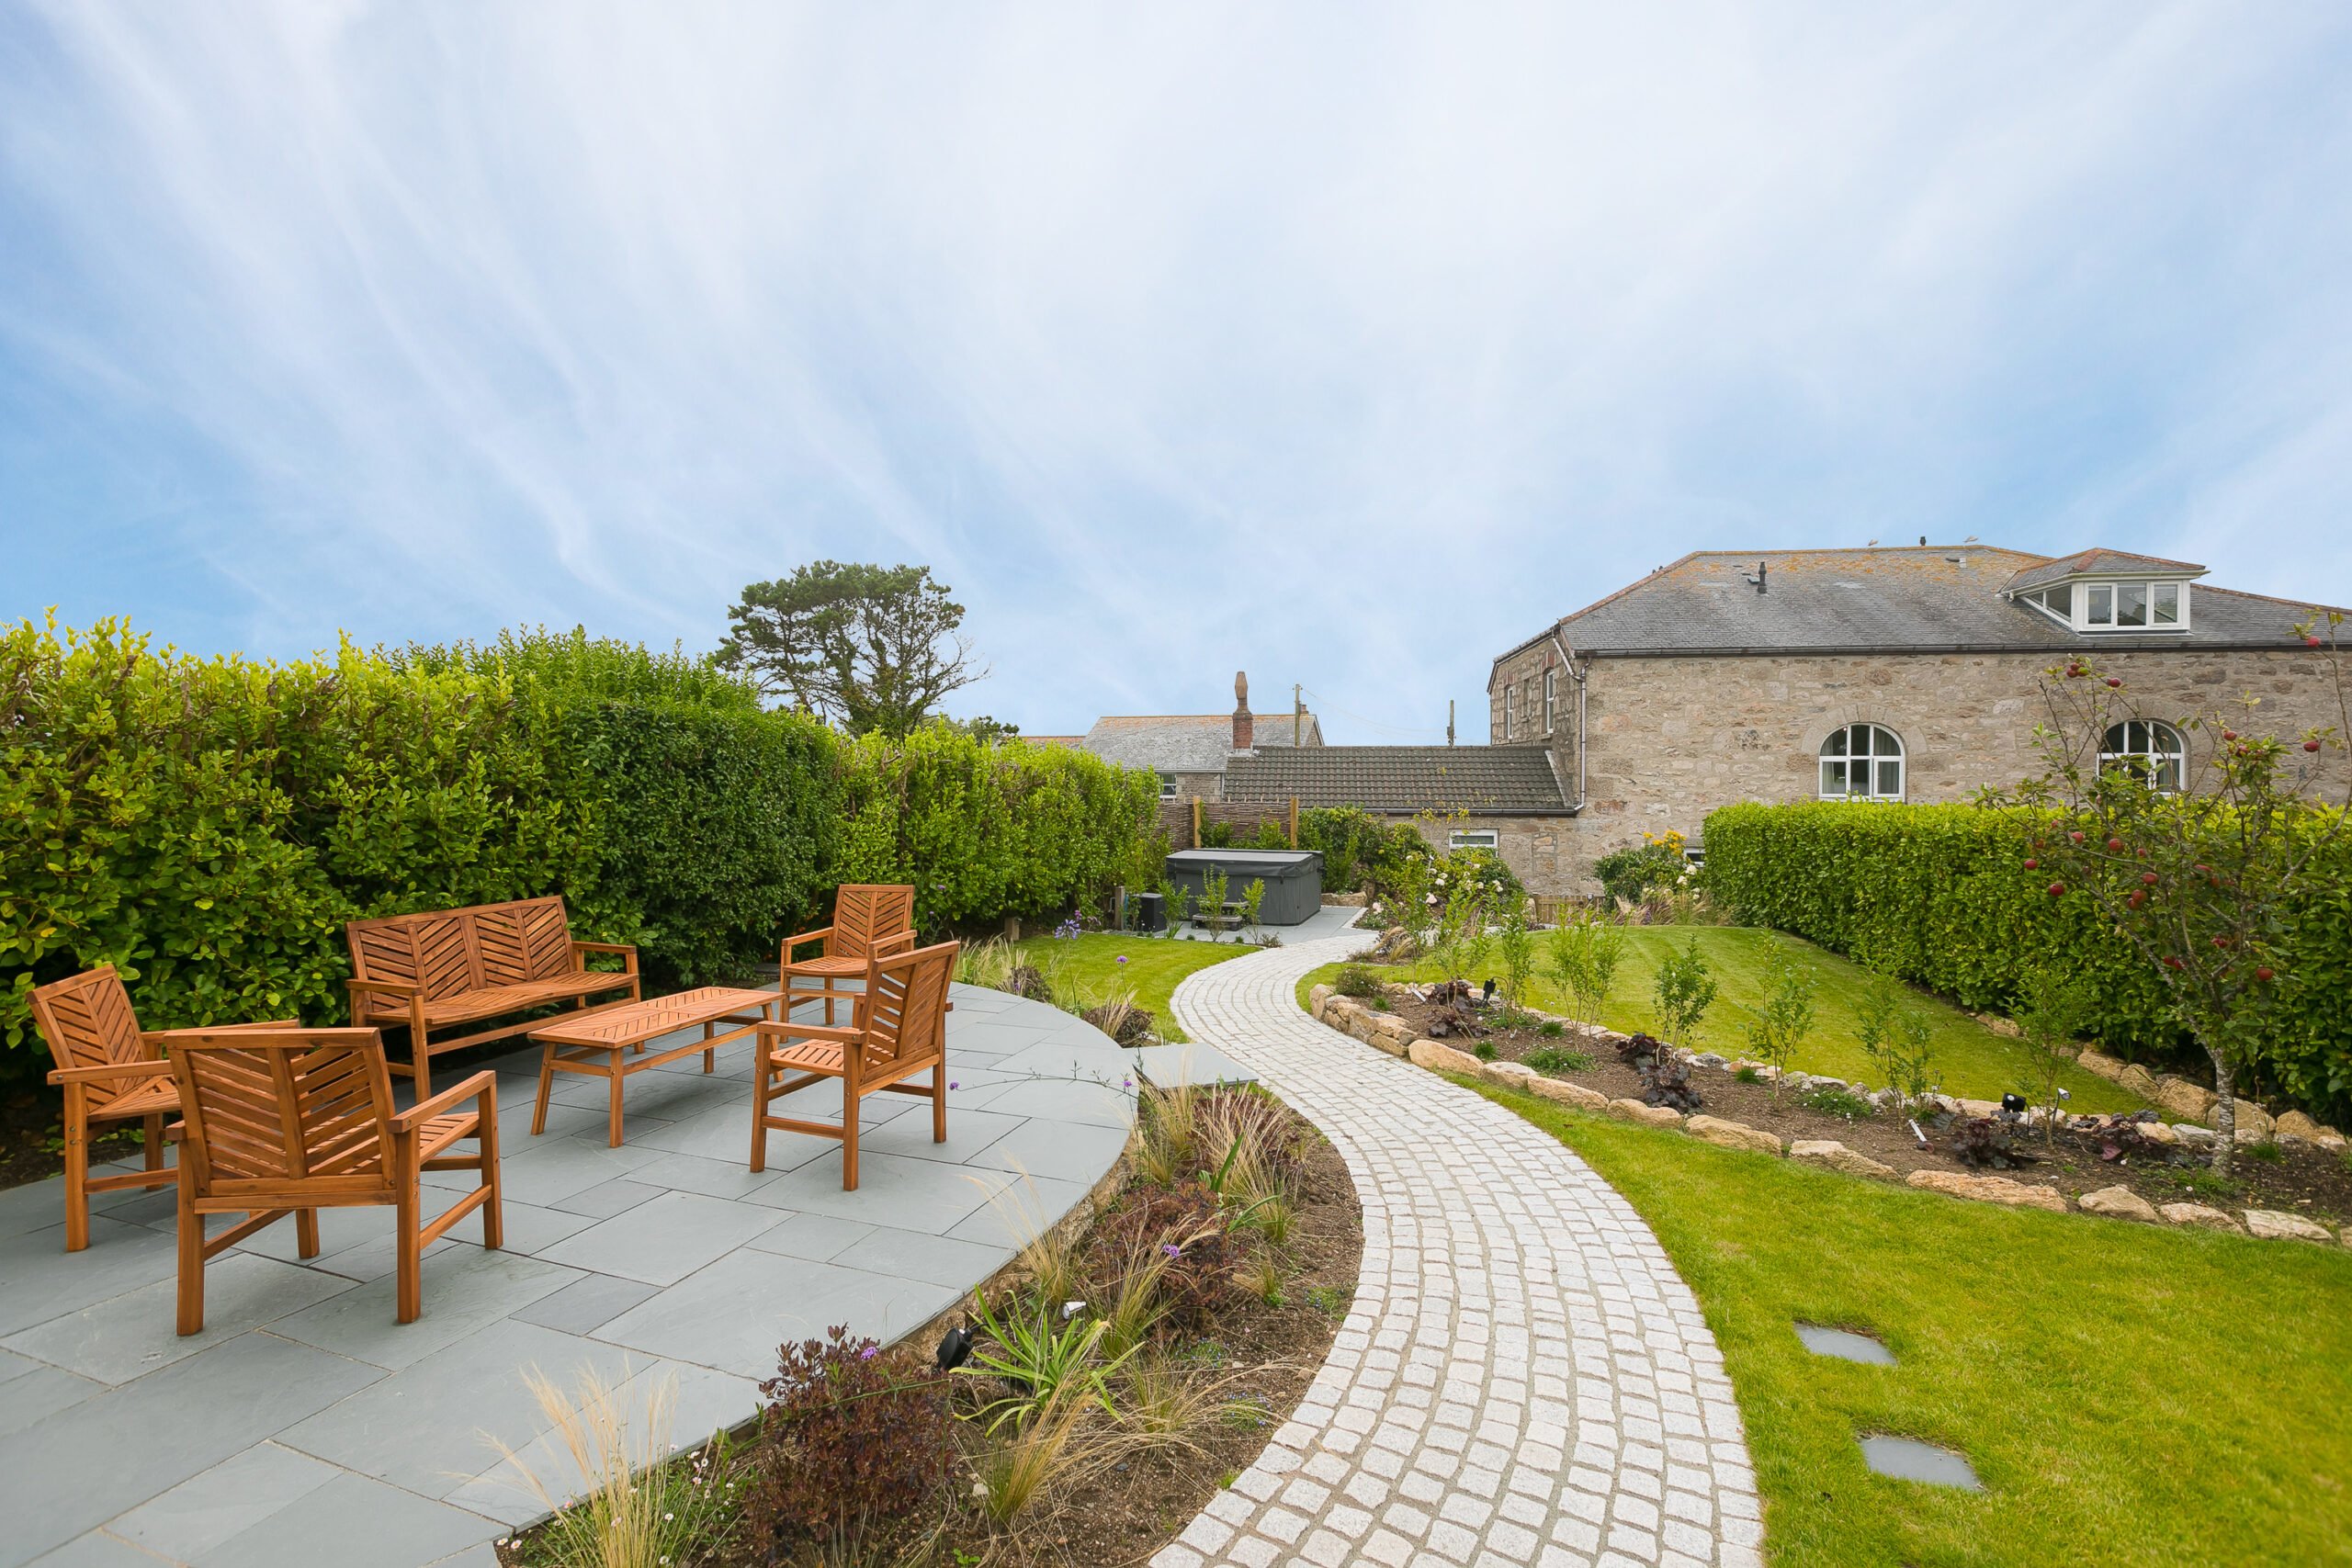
{"type": "Point", "coordinates": [2013, 1104]}
{"type": "Point", "coordinates": [954, 1349]}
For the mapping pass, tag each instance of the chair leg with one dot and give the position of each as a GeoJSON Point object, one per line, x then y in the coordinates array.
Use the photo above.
{"type": "Point", "coordinates": [154, 1139]}
{"type": "Point", "coordinates": [77, 1167]}
{"type": "Point", "coordinates": [760, 1106]}
{"type": "Point", "coordinates": [410, 1253]}
{"type": "Point", "coordinates": [420, 1052]}
{"type": "Point", "coordinates": [547, 1082]}
{"type": "Point", "coordinates": [849, 1138]}
{"type": "Point", "coordinates": [493, 1223]}
{"type": "Point", "coordinates": [306, 1232]}
{"type": "Point", "coordinates": [191, 1254]}
{"type": "Point", "coordinates": [939, 1102]}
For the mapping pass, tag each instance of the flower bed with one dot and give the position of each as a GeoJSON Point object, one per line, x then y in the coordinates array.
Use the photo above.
{"type": "Point", "coordinates": [1115, 1376]}
{"type": "Point", "coordinates": [2147, 1169]}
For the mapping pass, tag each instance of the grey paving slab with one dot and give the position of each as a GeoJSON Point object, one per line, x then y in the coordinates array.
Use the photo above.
{"type": "Point", "coordinates": [663, 1241]}
{"type": "Point", "coordinates": [370, 1526]}
{"type": "Point", "coordinates": [1193, 1062]}
{"type": "Point", "coordinates": [681, 1405]}
{"type": "Point", "coordinates": [892, 1190]}
{"type": "Point", "coordinates": [734, 1314]}
{"type": "Point", "coordinates": [1061, 1150]}
{"type": "Point", "coordinates": [916, 1255]}
{"type": "Point", "coordinates": [1023, 1208]}
{"type": "Point", "coordinates": [437, 1421]}
{"type": "Point", "coordinates": [238, 1493]}
{"type": "Point", "coordinates": [587, 1305]}
{"type": "Point", "coordinates": [464, 1289]}
{"type": "Point", "coordinates": [333, 1423]}
{"type": "Point", "coordinates": [97, 1549]}
{"type": "Point", "coordinates": [607, 1199]}
{"type": "Point", "coordinates": [817, 1236]}
{"type": "Point", "coordinates": [42, 1393]}
{"type": "Point", "coordinates": [84, 1465]}
{"type": "Point", "coordinates": [134, 1334]}
{"type": "Point", "coordinates": [40, 1280]}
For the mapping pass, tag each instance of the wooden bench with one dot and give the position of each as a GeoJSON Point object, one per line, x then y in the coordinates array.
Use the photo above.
{"type": "Point", "coordinates": [447, 968]}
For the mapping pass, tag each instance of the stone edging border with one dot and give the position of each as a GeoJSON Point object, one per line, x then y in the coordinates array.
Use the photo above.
{"type": "Point", "coordinates": [1388, 1033]}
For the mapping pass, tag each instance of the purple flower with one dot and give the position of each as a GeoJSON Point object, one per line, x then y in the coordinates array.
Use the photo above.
{"type": "Point", "coordinates": [954, 1085]}
{"type": "Point", "coordinates": [869, 1352]}
{"type": "Point", "coordinates": [1123, 958]}
{"type": "Point", "coordinates": [1171, 1248]}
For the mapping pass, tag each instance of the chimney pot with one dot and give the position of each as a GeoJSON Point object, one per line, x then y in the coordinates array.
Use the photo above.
{"type": "Point", "coordinates": [1244, 722]}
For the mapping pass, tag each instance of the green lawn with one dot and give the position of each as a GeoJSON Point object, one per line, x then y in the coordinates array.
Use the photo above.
{"type": "Point", "coordinates": [2127, 1395]}
{"type": "Point", "coordinates": [1971, 1060]}
{"type": "Point", "coordinates": [1090, 966]}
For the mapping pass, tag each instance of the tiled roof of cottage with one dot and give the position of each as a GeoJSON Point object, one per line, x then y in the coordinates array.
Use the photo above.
{"type": "Point", "coordinates": [1908, 599]}
{"type": "Point", "coordinates": [1502, 781]}
{"type": "Point", "coordinates": [1186, 743]}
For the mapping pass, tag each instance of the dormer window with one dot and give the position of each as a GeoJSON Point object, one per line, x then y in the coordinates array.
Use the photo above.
{"type": "Point", "coordinates": [2124, 604]}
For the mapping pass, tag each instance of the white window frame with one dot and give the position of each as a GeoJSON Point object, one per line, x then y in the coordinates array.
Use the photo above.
{"type": "Point", "coordinates": [1511, 712]}
{"type": "Point", "coordinates": [1874, 735]}
{"type": "Point", "coordinates": [2078, 595]}
{"type": "Point", "coordinates": [1551, 692]}
{"type": "Point", "coordinates": [1474, 838]}
{"type": "Point", "coordinates": [2158, 749]}
{"type": "Point", "coordinates": [1168, 786]}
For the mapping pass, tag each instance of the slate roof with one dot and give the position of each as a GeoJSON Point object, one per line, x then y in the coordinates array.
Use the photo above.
{"type": "Point", "coordinates": [1486, 780]}
{"type": "Point", "coordinates": [1186, 743]}
{"type": "Point", "coordinates": [1932, 599]}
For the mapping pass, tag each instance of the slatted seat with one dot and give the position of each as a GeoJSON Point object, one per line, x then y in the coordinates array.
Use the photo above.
{"type": "Point", "coordinates": [900, 1029]}
{"type": "Point", "coordinates": [454, 967]}
{"type": "Point", "coordinates": [281, 1120]}
{"type": "Point", "coordinates": [869, 919]}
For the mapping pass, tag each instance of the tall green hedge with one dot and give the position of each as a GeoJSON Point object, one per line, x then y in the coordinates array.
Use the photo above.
{"type": "Point", "coordinates": [209, 824]}
{"type": "Point", "coordinates": [986, 830]}
{"type": "Point", "coordinates": [1940, 896]}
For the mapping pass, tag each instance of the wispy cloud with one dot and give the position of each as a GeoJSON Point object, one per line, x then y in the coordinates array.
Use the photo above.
{"type": "Point", "coordinates": [1344, 344]}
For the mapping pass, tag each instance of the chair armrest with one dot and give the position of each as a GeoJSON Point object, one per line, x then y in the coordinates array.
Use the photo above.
{"type": "Point", "coordinates": [482, 1084]}
{"type": "Point", "coordinates": [787, 1030]}
{"type": "Point", "coordinates": [109, 1071]}
{"type": "Point", "coordinates": [822, 933]}
{"type": "Point", "coordinates": [626, 951]}
{"type": "Point", "coordinates": [896, 939]}
{"type": "Point", "coordinates": [388, 988]}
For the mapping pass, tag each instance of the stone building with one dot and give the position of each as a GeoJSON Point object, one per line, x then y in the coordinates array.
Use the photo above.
{"type": "Point", "coordinates": [1904, 674]}
{"type": "Point", "coordinates": [1504, 798]}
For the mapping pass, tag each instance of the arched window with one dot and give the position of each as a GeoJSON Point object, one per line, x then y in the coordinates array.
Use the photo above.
{"type": "Point", "coordinates": [1862, 761]}
{"type": "Point", "coordinates": [2149, 748]}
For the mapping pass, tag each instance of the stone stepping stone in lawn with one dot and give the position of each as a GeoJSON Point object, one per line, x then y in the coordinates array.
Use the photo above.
{"type": "Point", "coordinates": [1843, 1344]}
{"type": "Point", "coordinates": [1908, 1459]}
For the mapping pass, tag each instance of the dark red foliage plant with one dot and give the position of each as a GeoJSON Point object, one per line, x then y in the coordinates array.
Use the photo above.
{"type": "Point", "coordinates": [1187, 1224]}
{"type": "Point", "coordinates": [854, 1436]}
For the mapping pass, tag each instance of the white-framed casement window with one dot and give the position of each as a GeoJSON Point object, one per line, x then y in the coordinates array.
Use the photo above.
{"type": "Point", "coordinates": [2120, 607]}
{"type": "Point", "coordinates": [1168, 786]}
{"type": "Point", "coordinates": [2148, 746]}
{"type": "Point", "coordinates": [1474, 838]}
{"type": "Point", "coordinates": [1862, 761]}
{"type": "Point", "coordinates": [1511, 712]}
{"type": "Point", "coordinates": [1551, 694]}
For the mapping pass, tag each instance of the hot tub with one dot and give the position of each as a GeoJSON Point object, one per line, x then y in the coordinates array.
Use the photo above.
{"type": "Point", "coordinates": [1294, 879]}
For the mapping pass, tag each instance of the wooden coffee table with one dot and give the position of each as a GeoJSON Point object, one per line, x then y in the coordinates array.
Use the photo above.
{"type": "Point", "coordinates": [608, 1043]}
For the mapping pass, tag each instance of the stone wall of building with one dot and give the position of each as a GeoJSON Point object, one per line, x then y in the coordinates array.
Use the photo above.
{"type": "Point", "coordinates": [1539, 850]}
{"type": "Point", "coordinates": [1670, 740]}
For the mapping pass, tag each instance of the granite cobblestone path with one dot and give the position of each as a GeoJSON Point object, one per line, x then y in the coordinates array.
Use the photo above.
{"type": "Point", "coordinates": [1522, 1379]}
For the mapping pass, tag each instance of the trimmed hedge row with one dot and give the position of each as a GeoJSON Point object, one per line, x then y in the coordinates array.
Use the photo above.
{"type": "Point", "coordinates": [209, 824]}
{"type": "Point", "coordinates": [1939, 896]}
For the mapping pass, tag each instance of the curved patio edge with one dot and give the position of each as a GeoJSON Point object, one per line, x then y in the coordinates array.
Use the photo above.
{"type": "Point", "coordinates": [1522, 1376]}
{"type": "Point", "coordinates": [304, 1413]}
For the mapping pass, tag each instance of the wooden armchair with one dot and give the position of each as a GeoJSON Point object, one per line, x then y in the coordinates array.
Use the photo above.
{"type": "Point", "coordinates": [284, 1121]}
{"type": "Point", "coordinates": [869, 919]}
{"type": "Point", "coordinates": [900, 1029]}
{"type": "Point", "coordinates": [110, 1071]}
